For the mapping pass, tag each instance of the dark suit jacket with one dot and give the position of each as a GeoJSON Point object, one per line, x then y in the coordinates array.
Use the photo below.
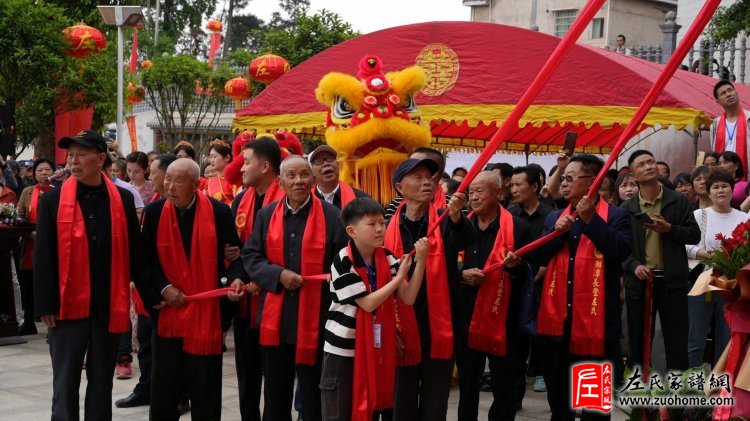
{"type": "Point", "coordinates": [613, 239]}
{"type": "Point", "coordinates": [99, 229]}
{"type": "Point", "coordinates": [685, 230]}
{"type": "Point", "coordinates": [225, 234]}
{"type": "Point", "coordinates": [266, 274]}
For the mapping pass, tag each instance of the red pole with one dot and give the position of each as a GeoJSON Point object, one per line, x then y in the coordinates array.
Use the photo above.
{"type": "Point", "coordinates": [511, 123]}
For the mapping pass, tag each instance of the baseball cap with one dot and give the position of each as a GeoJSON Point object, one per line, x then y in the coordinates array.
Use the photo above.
{"type": "Point", "coordinates": [88, 138]}
{"type": "Point", "coordinates": [408, 165]}
{"type": "Point", "coordinates": [320, 149]}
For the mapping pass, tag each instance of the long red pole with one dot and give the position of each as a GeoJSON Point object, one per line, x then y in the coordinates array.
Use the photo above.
{"type": "Point", "coordinates": [700, 22]}
{"type": "Point", "coordinates": [541, 79]}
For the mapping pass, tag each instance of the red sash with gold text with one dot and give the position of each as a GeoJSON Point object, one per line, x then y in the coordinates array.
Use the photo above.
{"type": "Point", "coordinates": [740, 138]}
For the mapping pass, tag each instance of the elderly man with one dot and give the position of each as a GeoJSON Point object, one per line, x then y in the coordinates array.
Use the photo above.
{"type": "Point", "coordinates": [293, 238]}
{"type": "Point", "coordinates": [141, 394]}
{"type": "Point", "coordinates": [328, 187]}
{"type": "Point", "coordinates": [86, 253]}
{"type": "Point", "coordinates": [492, 329]}
{"type": "Point", "coordinates": [429, 330]}
{"type": "Point", "coordinates": [441, 199]}
{"type": "Point", "coordinates": [184, 239]}
{"type": "Point", "coordinates": [579, 315]}
{"type": "Point", "coordinates": [260, 176]}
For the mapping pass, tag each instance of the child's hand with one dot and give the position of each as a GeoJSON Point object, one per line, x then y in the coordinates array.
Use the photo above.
{"type": "Point", "coordinates": [423, 246]}
{"type": "Point", "coordinates": [403, 269]}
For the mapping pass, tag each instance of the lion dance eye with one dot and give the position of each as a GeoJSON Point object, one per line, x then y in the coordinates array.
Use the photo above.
{"type": "Point", "coordinates": [342, 109]}
{"type": "Point", "coordinates": [409, 105]}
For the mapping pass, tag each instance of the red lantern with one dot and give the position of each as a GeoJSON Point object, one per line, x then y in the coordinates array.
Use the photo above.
{"type": "Point", "coordinates": [136, 94]}
{"type": "Point", "coordinates": [214, 26]}
{"type": "Point", "coordinates": [83, 40]}
{"type": "Point", "coordinates": [147, 64]}
{"type": "Point", "coordinates": [237, 89]}
{"type": "Point", "coordinates": [268, 67]}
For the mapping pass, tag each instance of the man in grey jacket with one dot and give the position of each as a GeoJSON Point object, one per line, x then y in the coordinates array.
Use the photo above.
{"type": "Point", "coordinates": [662, 223]}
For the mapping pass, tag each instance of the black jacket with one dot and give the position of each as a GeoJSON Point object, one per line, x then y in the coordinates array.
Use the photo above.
{"type": "Point", "coordinates": [225, 234]}
{"type": "Point", "coordinates": [94, 203]}
{"type": "Point", "coordinates": [266, 274]}
{"type": "Point", "coordinates": [685, 230]}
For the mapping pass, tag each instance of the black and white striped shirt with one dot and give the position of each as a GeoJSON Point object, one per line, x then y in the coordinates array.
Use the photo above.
{"type": "Point", "coordinates": [347, 286]}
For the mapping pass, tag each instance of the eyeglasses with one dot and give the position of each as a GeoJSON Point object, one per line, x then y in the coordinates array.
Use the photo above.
{"type": "Point", "coordinates": [572, 178]}
{"type": "Point", "coordinates": [323, 159]}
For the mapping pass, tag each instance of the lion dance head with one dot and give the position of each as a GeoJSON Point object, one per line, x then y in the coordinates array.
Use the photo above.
{"type": "Point", "coordinates": [373, 123]}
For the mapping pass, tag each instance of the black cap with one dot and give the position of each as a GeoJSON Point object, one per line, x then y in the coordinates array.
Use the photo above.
{"type": "Point", "coordinates": [88, 138]}
{"type": "Point", "coordinates": [408, 165]}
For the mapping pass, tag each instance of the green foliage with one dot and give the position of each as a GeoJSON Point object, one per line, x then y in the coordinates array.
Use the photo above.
{"type": "Point", "coordinates": [728, 22]}
{"type": "Point", "coordinates": [185, 93]}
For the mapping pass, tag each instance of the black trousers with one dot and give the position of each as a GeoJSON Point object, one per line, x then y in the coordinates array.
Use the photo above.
{"type": "Point", "coordinates": [422, 390]}
{"type": "Point", "coordinates": [68, 343]}
{"type": "Point", "coordinates": [502, 369]}
{"type": "Point", "coordinates": [521, 355]}
{"type": "Point", "coordinates": [125, 344]}
{"type": "Point", "coordinates": [26, 282]}
{"type": "Point", "coordinates": [143, 388]}
{"type": "Point", "coordinates": [249, 367]}
{"type": "Point", "coordinates": [200, 373]}
{"type": "Point", "coordinates": [278, 392]}
{"type": "Point", "coordinates": [672, 308]}
{"type": "Point", "coordinates": [557, 377]}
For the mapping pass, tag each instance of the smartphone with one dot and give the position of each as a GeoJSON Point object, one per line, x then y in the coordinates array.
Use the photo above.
{"type": "Point", "coordinates": [644, 218]}
{"type": "Point", "coordinates": [570, 143]}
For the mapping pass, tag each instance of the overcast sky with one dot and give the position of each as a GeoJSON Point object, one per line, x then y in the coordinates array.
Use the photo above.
{"type": "Point", "coordinates": [369, 16]}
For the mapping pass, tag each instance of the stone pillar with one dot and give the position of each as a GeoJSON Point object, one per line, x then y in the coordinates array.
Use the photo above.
{"type": "Point", "coordinates": [670, 29]}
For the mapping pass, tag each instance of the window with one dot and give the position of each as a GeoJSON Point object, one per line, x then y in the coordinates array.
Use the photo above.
{"type": "Point", "coordinates": [597, 28]}
{"type": "Point", "coordinates": [563, 21]}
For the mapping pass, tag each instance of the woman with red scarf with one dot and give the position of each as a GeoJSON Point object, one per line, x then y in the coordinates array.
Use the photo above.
{"type": "Point", "coordinates": [220, 155]}
{"type": "Point", "coordinates": [28, 204]}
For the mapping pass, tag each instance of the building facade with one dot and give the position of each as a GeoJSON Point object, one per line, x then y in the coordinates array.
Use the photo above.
{"type": "Point", "coordinates": [637, 20]}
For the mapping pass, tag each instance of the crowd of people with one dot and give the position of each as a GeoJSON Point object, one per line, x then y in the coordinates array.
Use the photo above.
{"type": "Point", "coordinates": [366, 306]}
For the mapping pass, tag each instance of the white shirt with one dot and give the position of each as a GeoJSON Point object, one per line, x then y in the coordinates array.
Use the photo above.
{"type": "Point", "coordinates": [294, 211]}
{"type": "Point", "coordinates": [718, 223]}
{"type": "Point", "coordinates": [328, 197]}
{"type": "Point", "coordinates": [129, 187]}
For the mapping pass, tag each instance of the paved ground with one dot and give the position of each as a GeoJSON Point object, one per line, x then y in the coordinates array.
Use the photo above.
{"type": "Point", "coordinates": [26, 388]}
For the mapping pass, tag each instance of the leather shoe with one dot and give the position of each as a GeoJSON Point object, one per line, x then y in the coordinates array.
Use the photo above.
{"type": "Point", "coordinates": [132, 401]}
{"type": "Point", "coordinates": [27, 329]}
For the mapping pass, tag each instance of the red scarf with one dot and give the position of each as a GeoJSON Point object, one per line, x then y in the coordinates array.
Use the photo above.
{"type": "Point", "coordinates": [198, 323]}
{"type": "Point", "coordinates": [587, 328]}
{"type": "Point", "coordinates": [438, 296]}
{"type": "Point", "coordinates": [374, 368]}
{"type": "Point", "coordinates": [310, 294]}
{"type": "Point", "coordinates": [347, 193]}
{"type": "Point", "coordinates": [244, 221]}
{"type": "Point", "coordinates": [27, 263]}
{"type": "Point", "coordinates": [439, 200]}
{"type": "Point", "coordinates": [487, 330]}
{"type": "Point", "coordinates": [74, 271]}
{"type": "Point", "coordinates": [155, 197]}
{"type": "Point", "coordinates": [220, 189]}
{"type": "Point", "coordinates": [740, 138]}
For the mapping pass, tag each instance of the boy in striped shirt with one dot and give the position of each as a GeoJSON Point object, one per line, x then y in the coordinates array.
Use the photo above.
{"type": "Point", "coordinates": [359, 360]}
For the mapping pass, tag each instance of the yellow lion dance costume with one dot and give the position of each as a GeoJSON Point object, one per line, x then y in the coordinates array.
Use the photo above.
{"type": "Point", "coordinates": [373, 123]}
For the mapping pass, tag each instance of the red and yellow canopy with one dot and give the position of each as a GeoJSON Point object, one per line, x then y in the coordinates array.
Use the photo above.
{"type": "Point", "coordinates": [475, 74]}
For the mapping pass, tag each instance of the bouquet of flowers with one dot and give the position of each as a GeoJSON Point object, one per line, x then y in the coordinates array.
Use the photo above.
{"type": "Point", "coordinates": [734, 253]}
{"type": "Point", "coordinates": [8, 214]}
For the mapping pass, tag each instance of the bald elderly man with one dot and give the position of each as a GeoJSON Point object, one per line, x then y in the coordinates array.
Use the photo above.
{"type": "Point", "coordinates": [184, 237]}
{"type": "Point", "coordinates": [293, 237]}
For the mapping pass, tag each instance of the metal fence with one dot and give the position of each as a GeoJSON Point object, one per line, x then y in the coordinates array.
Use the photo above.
{"type": "Point", "coordinates": [724, 59]}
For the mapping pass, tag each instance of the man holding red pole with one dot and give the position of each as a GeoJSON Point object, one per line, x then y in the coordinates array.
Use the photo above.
{"type": "Point", "coordinates": [579, 315]}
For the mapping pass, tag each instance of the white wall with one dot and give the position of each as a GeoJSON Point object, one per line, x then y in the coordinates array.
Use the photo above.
{"type": "Point", "coordinates": [144, 133]}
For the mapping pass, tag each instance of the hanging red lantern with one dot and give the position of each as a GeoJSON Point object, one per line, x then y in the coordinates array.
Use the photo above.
{"type": "Point", "coordinates": [237, 89]}
{"type": "Point", "coordinates": [136, 94]}
{"type": "Point", "coordinates": [268, 67]}
{"type": "Point", "coordinates": [84, 40]}
{"type": "Point", "coordinates": [215, 25]}
{"type": "Point", "coordinates": [147, 64]}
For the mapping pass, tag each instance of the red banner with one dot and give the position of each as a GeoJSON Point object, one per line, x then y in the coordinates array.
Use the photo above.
{"type": "Point", "coordinates": [130, 121]}
{"type": "Point", "coordinates": [134, 53]}
{"type": "Point", "coordinates": [68, 122]}
{"type": "Point", "coordinates": [213, 47]}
